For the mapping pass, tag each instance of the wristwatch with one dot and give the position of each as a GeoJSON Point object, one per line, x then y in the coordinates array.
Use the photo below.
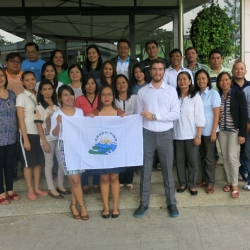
{"type": "Point", "coordinates": [154, 117]}
{"type": "Point", "coordinates": [198, 136]}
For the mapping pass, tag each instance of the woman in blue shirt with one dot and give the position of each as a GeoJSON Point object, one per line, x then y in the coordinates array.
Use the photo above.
{"type": "Point", "coordinates": [211, 101]}
{"type": "Point", "coordinates": [8, 138]}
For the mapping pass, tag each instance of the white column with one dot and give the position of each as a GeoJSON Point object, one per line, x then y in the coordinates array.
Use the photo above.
{"type": "Point", "coordinates": [181, 25]}
{"type": "Point", "coordinates": [245, 35]}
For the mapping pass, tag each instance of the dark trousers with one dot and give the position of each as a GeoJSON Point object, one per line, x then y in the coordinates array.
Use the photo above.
{"type": "Point", "coordinates": [187, 152]}
{"type": "Point", "coordinates": [85, 181]}
{"type": "Point", "coordinates": [243, 170]}
{"type": "Point", "coordinates": [207, 160]}
{"type": "Point", "coordinates": [7, 154]}
{"type": "Point", "coordinates": [127, 176]}
{"type": "Point", "coordinates": [163, 143]}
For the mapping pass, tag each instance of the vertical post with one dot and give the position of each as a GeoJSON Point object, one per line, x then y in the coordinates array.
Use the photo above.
{"type": "Point", "coordinates": [175, 28]}
{"type": "Point", "coordinates": [132, 35]}
{"type": "Point", "coordinates": [29, 36]}
{"type": "Point", "coordinates": [181, 29]}
{"type": "Point", "coordinates": [242, 30]}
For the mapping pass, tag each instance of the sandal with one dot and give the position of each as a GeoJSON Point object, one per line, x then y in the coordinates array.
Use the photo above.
{"type": "Point", "coordinates": [121, 187]}
{"type": "Point", "coordinates": [227, 188]}
{"type": "Point", "coordinates": [96, 189]}
{"type": "Point", "coordinates": [235, 194]}
{"type": "Point", "coordinates": [75, 216]}
{"type": "Point", "coordinates": [84, 217]}
{"type": "Point", "coordinates": [86, 191]}
{"type": "Point", "coordinates": [130, 187]}
{"type": "Point", "coordinates": [14, 196]}
{"type": "Point", "coordinates": [4, 201]}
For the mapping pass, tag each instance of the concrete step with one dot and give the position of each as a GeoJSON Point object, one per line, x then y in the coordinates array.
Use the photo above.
{"type": "Point", "coordinates": [156, 177]}
{"type": "Point", "coordinates": [128, 200]}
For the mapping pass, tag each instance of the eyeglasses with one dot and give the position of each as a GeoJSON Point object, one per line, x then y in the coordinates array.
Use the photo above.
{"type": "Point", "coordinates": [8, 104]}
{"type": "Point", "coordinates": [13, 61]}
{"type": "Point", "coordinates": [106, 95]}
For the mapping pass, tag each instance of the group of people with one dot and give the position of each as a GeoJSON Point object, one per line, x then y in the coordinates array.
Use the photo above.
{"type": "Point", "coordinates": [184, 110]}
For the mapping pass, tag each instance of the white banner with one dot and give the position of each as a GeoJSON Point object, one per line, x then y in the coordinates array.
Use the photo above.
{"type": "Point", "coordinates": [102, 142]}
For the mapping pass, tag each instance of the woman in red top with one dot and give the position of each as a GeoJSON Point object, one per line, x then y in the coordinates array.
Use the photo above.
{"type": "Point", "coordinates": [87, 102]}
{"type": "Point", "coordinates": [109, 177]}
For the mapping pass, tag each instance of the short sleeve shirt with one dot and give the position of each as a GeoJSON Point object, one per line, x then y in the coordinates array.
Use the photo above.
{"type": "Point", "coordinates": [211, 99]}
{"type": "Point", "coordinates": [43, 116]}
{"type": "Point", "coordinates": [85, 105]}
{"type": "Point", "coordinates": [27, 101]}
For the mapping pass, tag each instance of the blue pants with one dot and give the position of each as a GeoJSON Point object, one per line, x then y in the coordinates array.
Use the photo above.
{"type": "Point", "coordinates": [84, 178]}
{"type": "Point", "coordinates": [246, 158]}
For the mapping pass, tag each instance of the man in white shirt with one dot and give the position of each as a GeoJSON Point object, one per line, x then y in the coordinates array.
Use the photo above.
{"type": "Point", "coordinates": [170, 76]}
{"type": "Point", "coordinates": [158, 104]}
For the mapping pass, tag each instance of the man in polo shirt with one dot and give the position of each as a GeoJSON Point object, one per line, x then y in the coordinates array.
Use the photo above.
{"type": "Point", "coordinates": [170, 76]}
{"type": "Point", "coordinates": [14, 73]}
{"type": "Point", "coordinates": [33, 63]}
{"type": "Point", "coordinates": [151, 48]}
{"type": "Point", "coordinates": [158, 105]}
{"type": "Point", "coordinates": [239, 81]}
{"type": "Point", "coordinates": [123, 62]}
{"type": "Point", "coordinates": [191, 58]}
{"type": "Point", "coordinates": [215, 66]}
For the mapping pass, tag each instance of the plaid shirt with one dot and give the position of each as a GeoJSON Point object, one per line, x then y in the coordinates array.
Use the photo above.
{"type": "Point", "coordinates": [197, 67]}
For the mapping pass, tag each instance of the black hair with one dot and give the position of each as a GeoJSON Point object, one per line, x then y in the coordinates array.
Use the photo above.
{"type": "Point", "coordinates": [31, 44]}
{"type": "Point", "coordinates": [100, 104]}
{"type": "Point", "coordinates": [157, 60]}
{"type": "Point", "coordinates": [26, 73]}
{"type": "Point", "coordinates": [191, 90]}
{"type": "Point", "coordinates": [209, 85]}
{"type": "Point", "coordinates": [40, 97]}
{"type": "Point", "coordinates": [143, 70]}
{"type": "Point", "coordinates": [149, 42]}
{"type": "Point", "coordinates": [12, 55]}
{"type": "Point", "coordinates": [85, 80]}
{"type": "Point", "coordinates": [123, 40]}
{"type": "Point", "coordinates": [219, 79]}
{"type": "Point", "coordinates": [5, 76]}
{"type": "Point", "coordinates": [215, 51]}
{"type": "Point", "coordinates": [52, 55]}
{"type": "Point", "coordinates": [129, 92]}
{"type": "Point", "coordinates": [189, 48]}
{"type": "Point", "coordinates": [87, 62]}
{"type": "Point", "coordinates": [175, 51]}
{"type": "Point", "coordinates": [75, 65]}
{"type": "Point", "coordinates": [61, 89]}
{"type": "Point", "coordinates": [55, 80]}
{"type": "Point", "coordinates": [103, 78]}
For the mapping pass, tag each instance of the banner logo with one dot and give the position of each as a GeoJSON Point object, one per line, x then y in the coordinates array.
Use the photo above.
{"type": "Point", "coordinates": [106, 143]}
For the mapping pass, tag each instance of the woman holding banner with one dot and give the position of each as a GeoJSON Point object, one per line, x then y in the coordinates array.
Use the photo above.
{"type": "Point", "coordinates": [66, 97]}
{"type": "Point", "coordinates": [107, 107]}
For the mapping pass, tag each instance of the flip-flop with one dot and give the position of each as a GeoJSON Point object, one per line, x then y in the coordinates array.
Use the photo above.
{"type": "Point", "coordinates": [14, 196]}
{"type": "Point", "coordinates": [130, 187]}
{"type": "Point", "coordinates": [4, 201]}
{"type": "Point", "coordinates": [235, 194]}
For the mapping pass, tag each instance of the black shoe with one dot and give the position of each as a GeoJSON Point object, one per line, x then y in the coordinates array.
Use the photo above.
{"type": "Point", "coordinates": [105, 216]}
{"type": "Point", "coordinates": [56, 196]}
{"type": "Point", "coordinates": [62, 192]}
{"type": "Point", "coordinates": [173, 211]}
{"type": "Point", "coordinates": [115, 215]}
{"type": "Point", "coordinates": [181, 189]}
{"type": "Point", "coordinates": [192, 192]}
{"type": "Point", "coordinates": [140, 211]}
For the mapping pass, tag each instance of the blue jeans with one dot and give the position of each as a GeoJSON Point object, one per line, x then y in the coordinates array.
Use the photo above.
{"type": "Point", "coordinates": [84, 178]}
{"type": "Point", "coordinates": [247, 157]}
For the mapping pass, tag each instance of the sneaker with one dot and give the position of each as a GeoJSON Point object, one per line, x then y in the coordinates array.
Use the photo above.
{"type": "Point", "coordinates": [173, 211]}
{"type": "Point", "coordinates": [140, 211]}
{"type": "Point", "coordinates": [247, 187]}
